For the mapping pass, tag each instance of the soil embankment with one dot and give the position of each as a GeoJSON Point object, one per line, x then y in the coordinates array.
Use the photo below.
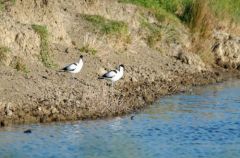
{"type": "Point", "coordinates": [37, 38]}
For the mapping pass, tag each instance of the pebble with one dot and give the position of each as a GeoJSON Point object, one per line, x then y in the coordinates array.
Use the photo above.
{"type": "Point", "coordinates": [132, 117]}
{"type": "Point", "coordinates": [28, 131]}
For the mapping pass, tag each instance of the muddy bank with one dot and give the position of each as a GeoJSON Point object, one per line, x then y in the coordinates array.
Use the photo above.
{"type": "Point", "coordinates": [125, 98]}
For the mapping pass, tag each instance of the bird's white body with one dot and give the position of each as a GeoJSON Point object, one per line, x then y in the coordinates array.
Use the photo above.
{"type": "Point", "coordinates": [74, 67]}
{"type": "Point", "coordinates": [113, 75]}
{"type": "Point", "coordinates": [116, 75]}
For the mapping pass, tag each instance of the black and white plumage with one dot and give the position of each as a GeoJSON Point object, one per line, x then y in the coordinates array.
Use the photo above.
{"type": "Point", "coordinates": [113, 75]}
{"type": "Point", "coordinates": [74, 67]}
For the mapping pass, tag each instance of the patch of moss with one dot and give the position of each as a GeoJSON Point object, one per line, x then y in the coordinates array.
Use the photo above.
{"type": "Point", "coordinates": [45, 56]}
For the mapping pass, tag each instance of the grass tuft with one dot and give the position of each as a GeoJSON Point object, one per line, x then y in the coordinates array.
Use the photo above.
{"type": "Point", "coordinates": [226, 9]}
{"type": "Point", "coordinates": [88, 50]}
{"type": "Point", "coordinates": [5, 3]}
{"type": "Point", "coordinates": [106, 26]}
{"type": "Point", "coordinates": [18, 64]}
{"type": "Point", "coordinates": [154, 33]}
{"type": "Point", "coordinates": [44, 53]}
{"type": "Point", "coordinates": [4, 54]}
{"type": "Point", "coordinates": [207, 57]}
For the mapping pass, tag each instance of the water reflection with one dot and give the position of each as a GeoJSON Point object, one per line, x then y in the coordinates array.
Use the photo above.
{"type": "Point", "coordinates": [203, 123]}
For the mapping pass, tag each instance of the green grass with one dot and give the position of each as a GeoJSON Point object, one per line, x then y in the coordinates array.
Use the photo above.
{"type": "Point", "coordinates": [154, 33]}
{"type": "Point", "coordinates": [163, 9]}
{"type": "Point", "coordinates": [3, 53]}
{"type": "Point", "coordinates": [106, 26]}
{"type": "Point", "coordinates": [226, 8]}
{"type": "Point", "coordinates": [1, 6]}
{"type": "Point", "coordinates": [154, 4]}
{"type": "Point", "coordinates": [4, 3]}
{"type": "Point", "coordinates": [88, 49]}
{"type": "Point", "coordinates": [184, 9]}
{"type": "Point", "coordinates": [169, 5]}
{"type": "Point", "coordinates": [44, 53]}
{"type": "Point", "coordinates": [18, 64]}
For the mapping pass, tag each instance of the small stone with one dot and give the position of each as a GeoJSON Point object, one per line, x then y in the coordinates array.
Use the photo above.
{"type": "Point", "coordinates": [2, 124]}
{"type": "Point", "coordinates": [45, 77]}
{"type": "Point", "coordinates": [67, 50]}
{"type": "Point", "coordinates": [28, 131]}
{"type": "Point", "coordinates": [133, 79]}
{"type": "Point", "coordinates": [54, 110]}
{"type": "Point", "coordinates": [8, 110]}
{"type": "Point", "coordinates": [132, 117]}
{"type": "Point", "coordinates": [9, 113]}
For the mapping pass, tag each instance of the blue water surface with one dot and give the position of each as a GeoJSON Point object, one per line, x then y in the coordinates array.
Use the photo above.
{"type": "Point", "coordinates": [204, 123]}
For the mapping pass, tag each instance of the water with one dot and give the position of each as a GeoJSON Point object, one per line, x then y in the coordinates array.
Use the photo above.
{"type": "Point", "coordinates": [203, 123]}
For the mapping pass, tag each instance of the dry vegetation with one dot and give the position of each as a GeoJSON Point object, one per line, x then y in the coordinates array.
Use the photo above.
{"type": "Point", "coordinates": [200, 16]}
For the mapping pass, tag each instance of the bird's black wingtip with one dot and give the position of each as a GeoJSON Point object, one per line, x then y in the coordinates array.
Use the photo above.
{"type": "Point", "coordinates": [64, 69]}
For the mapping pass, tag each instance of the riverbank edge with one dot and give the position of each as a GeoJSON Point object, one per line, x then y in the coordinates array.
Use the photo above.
{"type": "Point", "coordinates": [132, 98]}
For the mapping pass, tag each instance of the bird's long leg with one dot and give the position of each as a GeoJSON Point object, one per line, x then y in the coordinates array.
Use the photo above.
{"type": "Point", "coordinates": [112, 89]}
{"type": "Point", "coordinates": [72, 80]}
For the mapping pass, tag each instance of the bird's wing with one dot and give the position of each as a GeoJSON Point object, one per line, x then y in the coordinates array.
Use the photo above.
{"type": "Point", "coordinates": [110, 74]}
{"type": "Point", "coordinates": [70, 67]}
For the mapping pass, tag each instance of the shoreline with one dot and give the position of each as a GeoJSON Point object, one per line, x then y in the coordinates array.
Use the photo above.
{"type": "Point", "coordinates": [129, 99]}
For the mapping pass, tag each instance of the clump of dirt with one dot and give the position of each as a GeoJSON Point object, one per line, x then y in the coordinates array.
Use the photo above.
{"type": "Point", "coordinates": [158, 57]}
{"type": "Point", "coordinates": [226, 49]}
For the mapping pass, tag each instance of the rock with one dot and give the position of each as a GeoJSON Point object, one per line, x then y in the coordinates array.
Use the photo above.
{"type": "Point", "coordinates": [9, 113]}
{"type": "Point", "coordinates": [8, 109]}
{"type": "Point", "coordinates": [132, 117]}
{"type": "Point", "coordinates": [44, 77]}
{"type": "Point", "coordinates": [54, 110]}
{"type": "Point", "coordinates": [183, 57]}
{"type": "Point", "coordinates": [67, 50]}
{"type": "Point", "coordinates": [2, 124]}
{"type": "Point", "coordinates": [28, 131]}
{"type": "Point", "coordinates": [226, 49]}
{"type": "Point", "coordinates": [133, 79]}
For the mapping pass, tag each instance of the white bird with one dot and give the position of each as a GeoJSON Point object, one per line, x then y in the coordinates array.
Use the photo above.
{"type": "Point", "coordinates": [113, 75]}
{"type": "Point", "coordinates": [74, 67]}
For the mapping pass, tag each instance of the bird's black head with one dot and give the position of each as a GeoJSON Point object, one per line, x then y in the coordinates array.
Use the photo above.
{"type": "Point", "coordinates": [81, 56]}
{"type": "Point", "coordinates": [121, 65]}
